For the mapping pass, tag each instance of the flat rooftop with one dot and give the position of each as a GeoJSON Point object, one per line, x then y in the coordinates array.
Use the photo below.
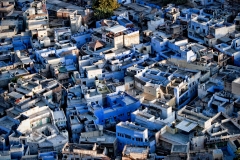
{"type": "Point", "coordinates": [58, 114]}
{"type": "Point", "coordinates": [17, 72]}
{"type": "Point", "coordinates": [179, 148]}
{"type": "Point", "coordinates": [129, 149]}
{"type": "Point", "coordinates": [131, 126]}
{"type": "Point", "coordinates": [232, 129]}
{"type": "Point", "coordinates": [137, 7]}
{"type": "Point", "coordinates": [186, 126]}
{"type": "Point", "coordinates": [15, 95]}
{"type": "Point", "coordinates": [116, 29]}
{"type": "Point", "coordinates": [6, 123]}
{"type": "Point", "coordinates": [177, 138]}
{"type": "Point", "coordinates": [128, 100]}
{"type": "Point", "coordinates": [71, 146]}
{"type": "Point", "coordinates": [108, 137]}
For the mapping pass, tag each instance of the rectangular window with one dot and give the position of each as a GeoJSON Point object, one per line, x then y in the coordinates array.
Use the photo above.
{"type": "Point", "coordinates": [127, 136]}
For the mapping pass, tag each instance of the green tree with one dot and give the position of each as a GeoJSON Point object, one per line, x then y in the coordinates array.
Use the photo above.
{"type": "Point", "coordinates": [237, 155]}
{"type": "Point", "coordinates": [104, 8]}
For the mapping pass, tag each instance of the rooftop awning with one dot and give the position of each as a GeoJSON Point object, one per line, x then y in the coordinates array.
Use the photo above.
{"type": "Point", "coordinates": [186, 126]}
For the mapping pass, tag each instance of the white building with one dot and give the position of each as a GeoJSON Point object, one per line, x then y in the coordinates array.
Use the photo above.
{"type": "Point", "coordinates": [39, 131]}
{"type": "Point", "coordinates": [59, 119]}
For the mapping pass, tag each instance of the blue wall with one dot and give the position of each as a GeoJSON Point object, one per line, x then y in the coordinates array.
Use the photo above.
{"type": "Point", "coordinates": [133, 137]}
{"type": "Point", "coordinates": [117, 110]}
{"type": "Point", "coordinates": [116, 75]}
{"type": "Point", "coordinates": [81, 38]}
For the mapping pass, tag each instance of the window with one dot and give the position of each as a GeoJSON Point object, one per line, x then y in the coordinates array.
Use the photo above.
{"type": "Point", "coordinates": [128, 113]}
{"type": "Point", "coordinates": [127, 136]}
{"type": "Point", "coordinates": [237, 44]}
{"type": "Point", "coordinates": [120, 135]}
{"type": "Point", "coordinates": [139, 139]}
{"type": "Point", "coordinates": [131, 85]}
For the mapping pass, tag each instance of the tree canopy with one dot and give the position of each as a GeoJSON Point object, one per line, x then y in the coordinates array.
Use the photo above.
{"type": "Point", "coordinates": [104, 8]}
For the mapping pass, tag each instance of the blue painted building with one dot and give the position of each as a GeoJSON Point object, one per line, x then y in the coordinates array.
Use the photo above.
{"type": "Point", "coordinates": [47, 156]}
{"type": "Point", "coordinates": [81, 38]}
{"type": "Point", "coordinates": [119, 108]}
{"type": "Point", "coordinates": [125, 22]}
{"type": "Point", "coordinates": [115, 75]}
{"type": "Point", "coordinates": [6, 125]}
{"type": "Point", "coordinates": [21, 42]}
{"type": "Point", "coordinates": [132, 134]}
{"type": "Point", "coordinates": [148, 4]}
{"type": "Point", "coordinates": [17, 151]}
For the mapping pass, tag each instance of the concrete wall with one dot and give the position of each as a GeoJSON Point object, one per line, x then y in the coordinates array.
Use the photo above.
{"type": "Point", "coordinates": [236, 87]}
{"type": "Point", "coordinates": [118, 42]}
{"type": "Point", "coordinates": [184, 64]}
{"type": "Point", "coordinates": [151, 90]}
{"type": "Point", "coordinates": [90, 134]}
{"type": "Point", "coordinates": [132, 38]}
{"type": "Point", "coordinates": [158, 45]}
{"type": "Point", "coordinates": [94, 73]}
{"type": "Point", "coordinates": [220, 32]}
